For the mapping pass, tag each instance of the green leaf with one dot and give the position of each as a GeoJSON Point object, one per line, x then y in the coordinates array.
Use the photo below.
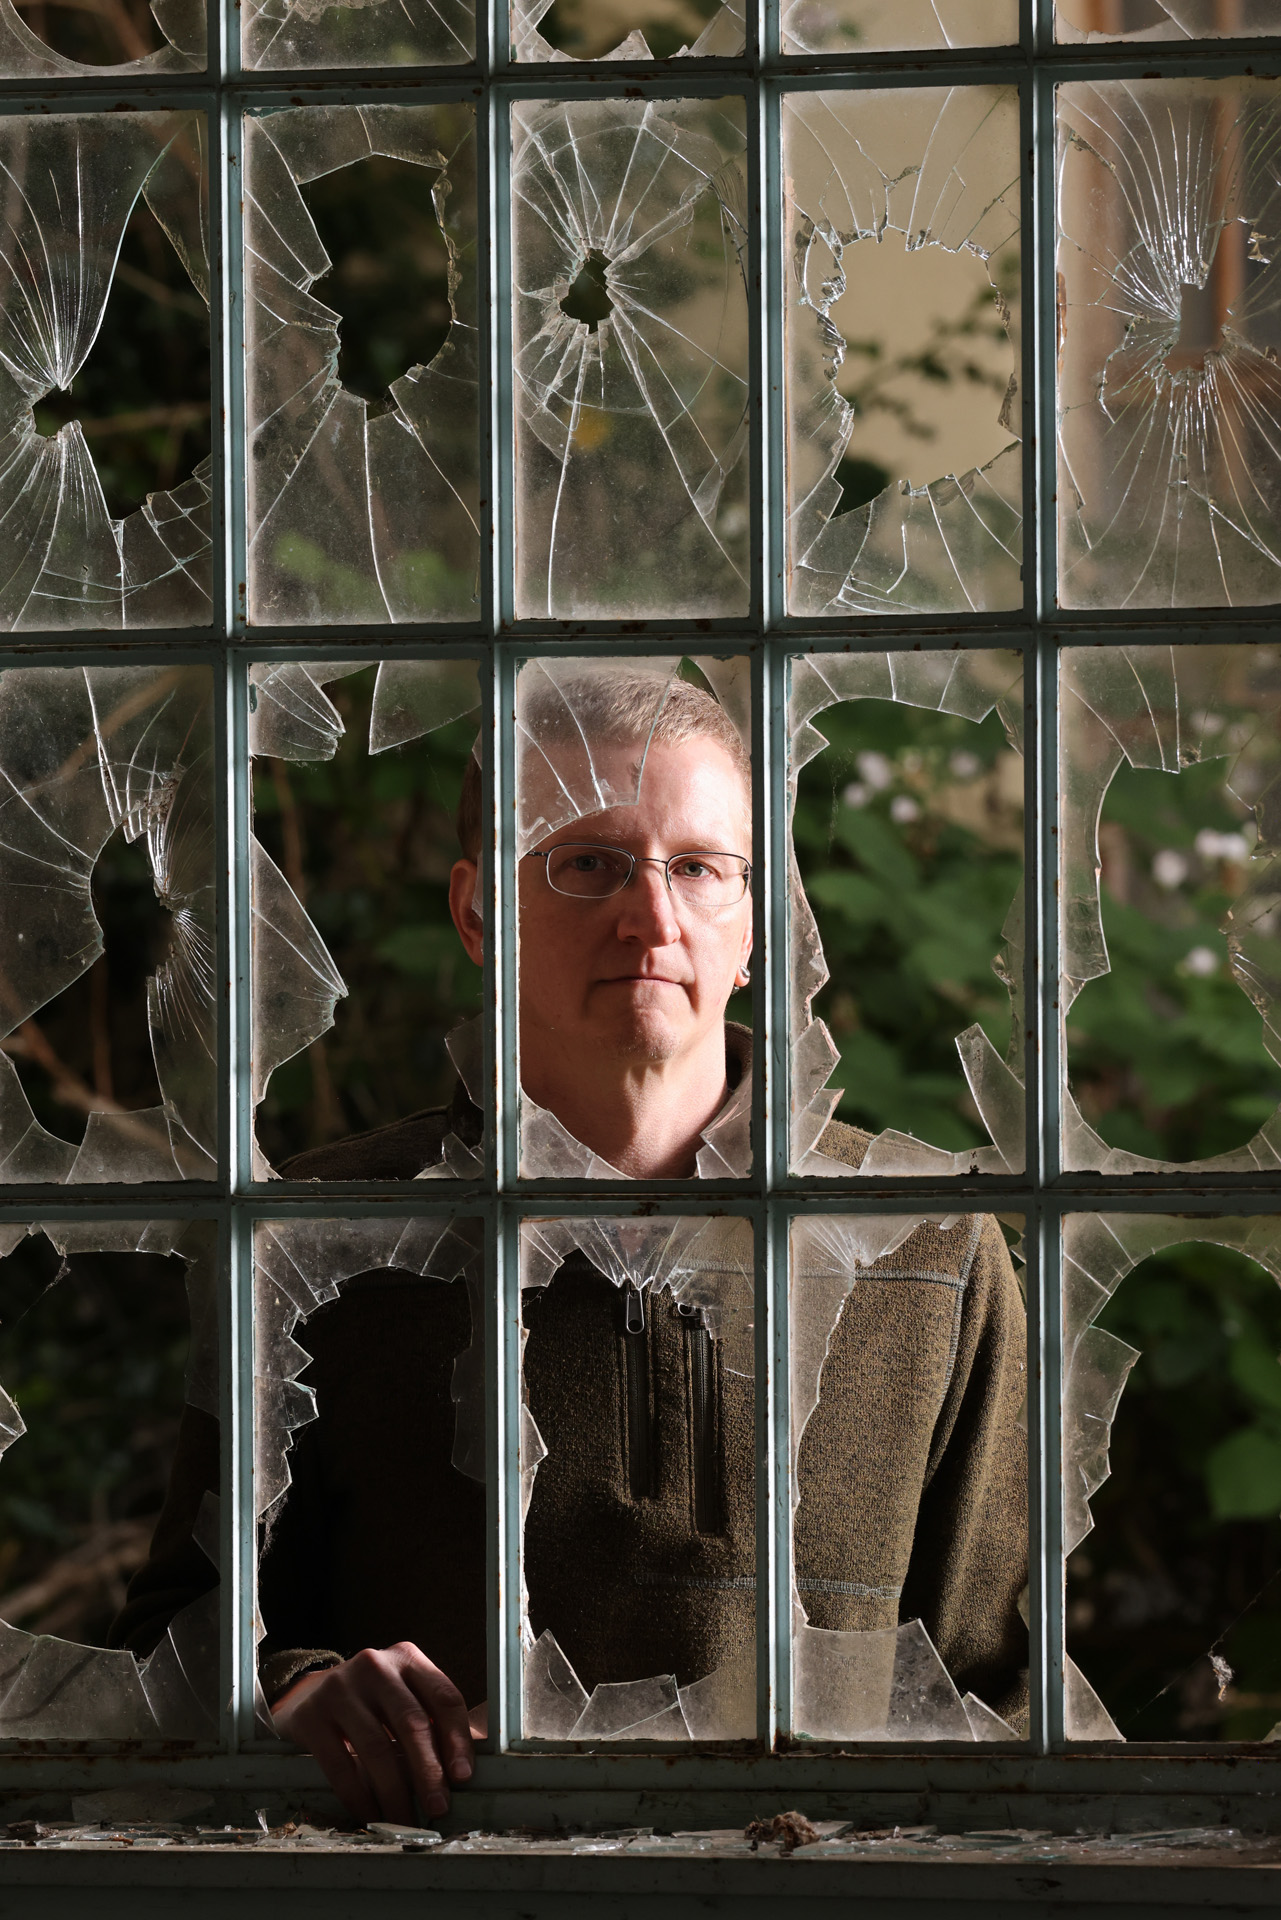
{"type": "Point", "coordinates": [1243, 1475]}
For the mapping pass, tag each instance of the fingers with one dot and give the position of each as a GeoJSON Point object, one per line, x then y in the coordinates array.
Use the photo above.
{"type": "Point", "coordinates": [448, 1711]}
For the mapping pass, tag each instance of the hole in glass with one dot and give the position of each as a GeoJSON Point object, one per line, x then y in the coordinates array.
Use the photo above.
{"type": "Point", "coordinates": [588, 298]}
{"type": "Point", "coordinates": [94, 33]}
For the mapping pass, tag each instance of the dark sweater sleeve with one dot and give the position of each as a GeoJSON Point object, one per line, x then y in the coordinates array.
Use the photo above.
{"type": "Point", "coordinates": [970, 1551]}
{"type": "Point", "coordinates": [176, 1571]}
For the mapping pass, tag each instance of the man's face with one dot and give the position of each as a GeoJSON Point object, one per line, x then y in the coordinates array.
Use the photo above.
{"type": "Point", "coordinates": [640, 974]}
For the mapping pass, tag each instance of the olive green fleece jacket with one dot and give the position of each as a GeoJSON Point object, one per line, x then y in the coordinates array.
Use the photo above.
{"type": "Point", "coordinates": [639, 1541]}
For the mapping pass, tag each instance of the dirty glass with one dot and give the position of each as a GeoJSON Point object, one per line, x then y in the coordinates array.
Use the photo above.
{"type": "Point", "coordinates": [630, 321]}
{"type": "Point", "coordinates": [901, 232]}
{"type": "Point", "coordinates": [109, 1365]}
{"type": "Point", "coordinates": [636, 30]}
{"type": "Point", "coordinates": [361, 345]}
{"type": "Point", "coordinates": [370, 1384]}
{"type": "Point", "coordinates": [107, 946]}
{"type": "Point", "coordinates": [1170, 758]}
{"type": "Point", "coordinates": [356, 33]}
{"type": "Point", "coordinates": [866, 26]}
{"type": "Point", "coordinates": [907, 913]}
{"type": "Point", "coordinates": [648, 758]}
{"type": "Point", "coordinates": [104, 374]}
{"type": "Point", "coordinates": [85, 39]}
{"type": "Point", "coordinates": [360, 981]}
{"type": "Point", "coordinates": [638, 1479]}
{"type": "Point", "coordinates": [1078, 20]}
{"type": "Point", "coordinates": [908, 1386]}
{"type": "Point", "coordinates": [1170, 470]}
{"type": "Point", "coordinates": [1172, 1476]}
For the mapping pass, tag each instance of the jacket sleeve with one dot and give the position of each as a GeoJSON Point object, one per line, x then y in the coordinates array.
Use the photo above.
{"type": "Point", "coordinates": [969, 1556]}
{"type": "Point", "coordinates": [176, 1570]}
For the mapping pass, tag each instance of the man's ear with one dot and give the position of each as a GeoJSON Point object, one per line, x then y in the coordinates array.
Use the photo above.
{"type": "Point", "coordinates": [462, 894]}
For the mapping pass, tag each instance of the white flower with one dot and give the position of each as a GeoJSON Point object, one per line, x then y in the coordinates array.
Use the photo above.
{"type": "Point", "coordinates": [1201, 961]}
{"type": "Point", "coordinates": [1169, 869]}
{"type": "Point", "coordinates": [875, 771]}
{"type": "Point", "coordinates": [903, 808]}
{"type": "Point", "coordinates": [1222, 846]}
{"type": "Point", "coordinates": [855, 795]}
{"type": "Point", "coordinates": [965, 764]}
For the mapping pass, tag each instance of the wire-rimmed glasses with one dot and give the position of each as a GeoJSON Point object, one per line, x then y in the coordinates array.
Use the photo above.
{"type": "Point", "coordinates": [585, 871]}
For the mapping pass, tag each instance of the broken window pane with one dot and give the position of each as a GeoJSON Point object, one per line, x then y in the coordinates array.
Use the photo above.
{"type": "Point", "coordinates": [1170, 321]}
{"type": "Point", "coordinates": [364, 476]}
{"type": "Point", "coordinates": [631, 358]}
{"type": "Point", "coordinates": [357, 33]}
{"type": "Point", "coordinates": [653, 30]}
{"type": "Point", "coordinates": [1172, 1476]}
{"type": "Point", "coordinates": [107, 947]}
{"type": "Point", "coordinates": [638, 1479]}
{"type": "Point", "coordinates": [907, 913]}
{"type": "Point", "coordinates": [109, 1363]}
{"type": "Point", "coordinates": [1171, 892]}
{"type": "Point", "coordinates": [627, 767]}
{"type": "Point", "coordinates": [358, 772]}
{"type": "Point", "coordinates": [904, 467]}
{"type": "Point", "coordinates": [909, 1457]}
{"type": "Point", "coordinates": [104, 373]}
{"type": "Point", "coordinates": [864, 26]}
{"type": "Point", "coordinates": [371, 1405]}
{"type": "Point", "coordinates": [65, 39]}
{"type": "Point", "coordinates": [1077, 20]}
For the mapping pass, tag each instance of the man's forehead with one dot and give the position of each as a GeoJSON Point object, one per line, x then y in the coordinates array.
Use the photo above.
{"type": "Point", "coordinates": [578, 784]}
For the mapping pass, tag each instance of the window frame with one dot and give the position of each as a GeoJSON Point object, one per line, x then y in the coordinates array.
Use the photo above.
{"type": "Point", "coordinates": [769, 637]}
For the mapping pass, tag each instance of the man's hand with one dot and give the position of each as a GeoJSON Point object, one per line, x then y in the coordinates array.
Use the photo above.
{"type": "Point", "coordinates": [387, 1727]}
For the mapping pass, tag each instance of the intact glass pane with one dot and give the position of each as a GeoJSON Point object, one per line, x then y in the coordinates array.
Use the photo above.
{"type": "Point", "coordinates": [367, 1041]}
{"type": "Point", "coordinates": [872, 26]}
{"type": "Point", "coordinates": [84, 40]}
{"type": "Point", "coordinates": [104, 373]}
{"type": "Point", "coordinates": [638, 1479]}
{"type": "Point", "coordinates": [1077, 20]}
{"type": "Point", "coordinates": [909, 1473]}
{"type": "Point", "coordinates": [109, 1363]}
{"type": "Point", "coordinates": [904, 472]}
{"type": "Point", "coordinates": [631, 358]}
{"type": "Point", "coordinates": [357, 33]}
{"type": "Point", "coordinates": [907, 914]}
{"type": "Point", "coordinates": [1170, 757]}
{"type": "Point", "coordinates": [1169, 326]}
{"type": "Point", "coordinates": [107, 941]}
{"type": "Point", "coordinates": [363, 475]}
{"type": "Point", "coordinates": [1172, 1476]}
{"type": "Point", "coordinates": [634, 30]}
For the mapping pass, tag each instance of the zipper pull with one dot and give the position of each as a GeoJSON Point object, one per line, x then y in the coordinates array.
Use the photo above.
{"type": "Point", "coordinates": [691, 1313]}
{"type": "Point", "coordinates": [634, 1318]}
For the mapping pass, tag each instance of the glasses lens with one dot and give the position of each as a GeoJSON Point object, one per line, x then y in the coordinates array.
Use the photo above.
{"type": "Point", "coordinates": [708, 879]}
{"type": "Point", "coordinates": [592, 873]}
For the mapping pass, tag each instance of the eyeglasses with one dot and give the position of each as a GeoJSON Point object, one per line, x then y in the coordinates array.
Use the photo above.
{"type": "Point", "coordinates": [700, 880]}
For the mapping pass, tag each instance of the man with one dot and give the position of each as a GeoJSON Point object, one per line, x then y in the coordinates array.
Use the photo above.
{"type": "Point", "coordinates": [635, 927]}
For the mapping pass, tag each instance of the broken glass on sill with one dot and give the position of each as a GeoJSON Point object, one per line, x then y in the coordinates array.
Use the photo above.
{"type": "Point", "coordinates": [70, 559]}
{"type": "Point", "coordinates": [1171, 891]}
{"type": "Point", "coordinates": [354, 806]}
{"type": "Point", "coordinates": [631, 358]}
{"type": "Point", "coordinates": [638, 1479]}
{"type": "Point", "coordinates": [106, 825]}
{"type": "Point", "coordinates": [108, 1353]}
{"type": "Point", "coordinates": [1170, 323]}
{"type": "Point", "coordinates": [1172, 1507]}
{"type": "Point", "coordinates": [909, 1471]}
{"type": "Point", "coordinates": [563, 30]}
{"type": "Point", "coordinates": [904, 468]}
{"type": "Point", "coordinates": [930, 807]}
{"type": "Point", "coordinates": [362, 507]}
{"type": "Point", "coordinates": [83, 40]}
{"type": "Point", "coordinates": [863, 26]}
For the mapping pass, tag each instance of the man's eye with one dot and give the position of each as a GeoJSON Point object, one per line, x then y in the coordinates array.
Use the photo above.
{"type": "Point", "coordinates": [692, 869]}
{"type": "Point", "coordinates": [586, 862]}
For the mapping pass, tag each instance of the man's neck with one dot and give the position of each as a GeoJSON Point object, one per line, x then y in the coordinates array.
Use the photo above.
{"type": "Point", "coordinates": [644, 1117]}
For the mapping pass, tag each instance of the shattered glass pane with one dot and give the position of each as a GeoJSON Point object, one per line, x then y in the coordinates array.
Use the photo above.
{"type": "Point", "coordinates": [106, 820]}
{"type": "Point", "coordinates": [390, 1408]}
{"type": "Point", "coordinates": [863, 26]}
{"type": "Point", "coordinates": [1171, 890]}
{"type": "Point", "coordinates": [644, 760]}
{"type": "Point", "coordinates": [106, 1330]}
{"type": "Point", "coordinates": [631, 358]}
{"type": "Point", "coordinates": [1077, 20]}
{"type": "Point", "coordinates": [1172, 1500]}
{"type": "Point", "coordinates": [365, 506]}
{"type": "Point", "coordinates": [48, 40]}
{"type": "Point", "coordinates": [909, 1477]}
{"type": "Point", "coordinates": [1170, 322]}
{"type": "Point", "coordinates": [70, 557]}
{"type": "Point", "coordinates": [356, 33]}
{"type": "Point", "coordinates": [904, 464]}
{"type": "Point", "coordinates": [354, 809]}
{"type": "Point", "coordinates": [907, 913]}
{"type": "Point", "coordinates": [638, 1479]}
{"type": "Point", "coordinates": [636, 30]}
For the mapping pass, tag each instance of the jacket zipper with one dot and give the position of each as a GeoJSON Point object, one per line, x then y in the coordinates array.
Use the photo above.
{"type": "Point", "coordinates": [637, 1356]}
{"type": "Point", "coordinates": [703, 1388]}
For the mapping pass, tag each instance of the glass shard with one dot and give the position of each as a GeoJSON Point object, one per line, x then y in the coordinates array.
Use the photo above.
{"type": "Point", "coordinates": [360, 508]}
{"type": "Point", "coordinates": [356, 33]}
{"type": "Point", "coordinates": [631, 434]}
{"type": "Point", "coordinates": [903, 216]}
{"type": "Point", "coordinates": [1170, 481]}
{"type": "Point", "coordinates": [855, 26]}
{"type": "Point", "coordinates": [563, 30]}
{"type": "Point", "coordinates": [86, 42]}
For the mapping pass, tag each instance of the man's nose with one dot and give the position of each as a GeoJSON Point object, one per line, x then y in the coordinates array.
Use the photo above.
{"type": "Point", "coordinates": [646, 910]}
